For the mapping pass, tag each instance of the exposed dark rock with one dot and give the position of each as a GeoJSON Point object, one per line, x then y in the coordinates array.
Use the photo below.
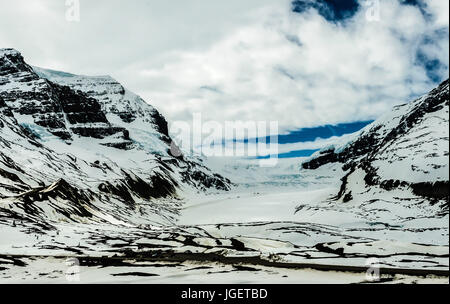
{"type": "Point", "coordinates": [57, 108]}
{"type": "Point", "coordinates": [327, 249]}
{"type": "Point", "coordinates": [64, 135]}
{"type": "Point", "coordinates": [78, 108]}
{"type": "Point", "coordinates": [119, 189]}
{"type": "Point", "coordinates": [392, 184]}
{"type": "Point", "coordinates": [209, 182]}
{"type": "Point", "coordinates": [97, 132]}
{"type": "Point", "coordinates": [125, 145]}
{"type": "Point", "coordinates": [127, 116]}
{"type": "Point", "coordinates": [323, 159]}
{"type": "Point", "coordinates": [343, 188]}
{"type": "Point", "coordinates": [162, 125]}
{"type": "Point", "coordinates": [157, 187]}
{"type": "Point", "coordinates": [12, 62]}
{"type": "Point", "coordinates": [348, 197]}
{"type": "Point", "coordinates": [60, 190]}
{"type": "Point", "coordinates": [437, 190]}
{"type": "Point", "coordinates": [11, 176]}
{"type": "Point", "coordinates": [4, 109]}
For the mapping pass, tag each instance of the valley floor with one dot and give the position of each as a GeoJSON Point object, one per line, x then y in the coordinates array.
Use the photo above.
{"type": "Point", "coordinates": [258, 235]}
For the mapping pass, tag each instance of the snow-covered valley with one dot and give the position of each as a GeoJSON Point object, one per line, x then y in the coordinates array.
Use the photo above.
{"type": "Point", "coordinates": [234, 238]}
{"type": "Point", "coordinates": [251, 235]}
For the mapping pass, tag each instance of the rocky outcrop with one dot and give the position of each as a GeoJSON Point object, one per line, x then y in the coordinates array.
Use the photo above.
{"type": "Point", "coordinates": [116, 101]}
{"type": "Point", "coordinates": [133, 186]}
{"type": "Point", "coordinates": [11, 62]}
{"type": "Point", "coordinates": [4, 109]}
{"type": "Point", "coordinates": [60, 109]}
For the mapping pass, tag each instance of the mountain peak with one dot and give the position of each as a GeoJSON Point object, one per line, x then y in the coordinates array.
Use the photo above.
{"type": "Point", "coordinates": [11, 61]}
{"type": "Point", "coordinates": [9, 51]}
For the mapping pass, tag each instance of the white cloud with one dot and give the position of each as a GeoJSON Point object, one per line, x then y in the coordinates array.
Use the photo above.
{"type": "Point", "coordinates": [440, 11]}
{"type": "Point", "coordinates": [334, 74]}
{"type": "Point", "coordinates": [238, 60]}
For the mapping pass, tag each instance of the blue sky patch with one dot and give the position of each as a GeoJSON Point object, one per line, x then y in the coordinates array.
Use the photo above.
{"type": "Point", "coordinates": [312, 134]}
{"type": "Point", "coordinates": [293, 154]}
{"type": "Point", "coordinates": [331, 10]}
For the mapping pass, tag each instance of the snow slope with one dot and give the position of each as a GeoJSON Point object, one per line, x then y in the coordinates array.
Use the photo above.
{"type": "Point", "coordinates": [404, 154]}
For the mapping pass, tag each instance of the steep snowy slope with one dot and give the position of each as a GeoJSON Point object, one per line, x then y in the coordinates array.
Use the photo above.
{"type": "Point", "coordinates": [404, 154]}
{"type": "Point", "coordinates": [91, 151]}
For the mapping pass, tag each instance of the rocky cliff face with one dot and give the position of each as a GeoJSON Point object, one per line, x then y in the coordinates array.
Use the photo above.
{"type": "Point", "coordinates": [87, 145]}
{"type": "Point", "coordinates": [63, 111]}
{"type": "Point", "coordinates": [406, 150]}
{"type": "Point", "coordinates": [124, 106]}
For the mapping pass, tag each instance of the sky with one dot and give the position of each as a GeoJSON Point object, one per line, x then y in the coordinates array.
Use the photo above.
{"type": "Point", "coordinates": [302, 63]}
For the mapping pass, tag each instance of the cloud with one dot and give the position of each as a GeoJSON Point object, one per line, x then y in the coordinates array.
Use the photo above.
{"type": "Point", "coordinates": [304, 71]}
{"type": "Point", "coordinates": [255, 60]}
{"type": "Point", "coordinates": [304, 148]}
{"type": "Point", "coordinates": [115, 34]}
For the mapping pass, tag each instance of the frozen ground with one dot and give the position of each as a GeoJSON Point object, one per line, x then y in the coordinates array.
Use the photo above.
{"type": "Point", "coordinates": [55, 271]}
{"type": "Point", "coordinates": [263, 232]}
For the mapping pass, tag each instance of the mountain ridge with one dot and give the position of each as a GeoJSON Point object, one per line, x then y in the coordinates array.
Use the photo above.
{"type": "Point", "coordinates": [407, 148]}
{"type": "Point", "coordinates": [78, 135]}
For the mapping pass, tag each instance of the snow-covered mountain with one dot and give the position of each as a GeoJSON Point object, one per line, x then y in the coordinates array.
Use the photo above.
{"type": "Point", "coordinates": [404, 155]}
{"type": "Point", "coordinates": [85, 149]}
